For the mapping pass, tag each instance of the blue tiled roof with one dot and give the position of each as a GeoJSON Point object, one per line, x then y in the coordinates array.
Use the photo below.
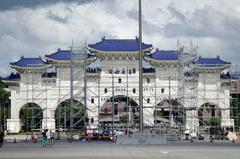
{"type": "Point", "coordinates": [163, 55]}
{"type": "Point", "coordinates": [29, 62]}
{"type": "Point", "coordinates": [64, 55]}
{"type": "Point", "coordinates": [60, 55]}
{"type": "Point", "coordinates": [127, 45]}
{"type": "Point", "coordinates": [211, 62]}
{"type": "Point", "coordinates": [12, 77]}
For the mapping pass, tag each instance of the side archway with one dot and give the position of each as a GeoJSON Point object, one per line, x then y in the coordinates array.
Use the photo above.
{"type": "Point", "coordinates": [209, 114]}
{"type": "Point", "coordinates": [31, 116]}
{"type": "Point", "coordinates": [62, 115]}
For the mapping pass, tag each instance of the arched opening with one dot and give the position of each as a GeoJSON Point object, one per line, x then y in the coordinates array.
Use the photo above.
{"type": "Point", "coordinates": [163, 116]}
{"type": "Point", "coordinates": [62, 115]}
{"type": "Point", "coordinates": [31, 116]}
{"type": "Point", "coordinates": [209, 115]}
{"type": "Point", "coordinates": [125, 110]}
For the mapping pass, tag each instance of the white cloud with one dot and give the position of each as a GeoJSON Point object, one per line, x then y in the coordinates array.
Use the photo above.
{"type": "Point", "coordinates": [212, 24]}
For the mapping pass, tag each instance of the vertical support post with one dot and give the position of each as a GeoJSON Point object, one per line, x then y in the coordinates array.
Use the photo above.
{"type": "Point", "coordinates": [98, 98]}
{"type": "Point", "coordinates": [85, 89]}
{"type": "Point", "coordinates": [169, 99]}
{"type": "Point", "coordinates": [140, 70]}
{"type": "Point", "coordinates": [46, 109]}
{"type": "Point", "coordinates": [155, 111]}
{"type": "Point", "coordinates": [59, 96]}
{"type": "Point", "coordinates": [112, 102]}
{"type": "Point", "coordinates": [65, 116]}
{"type": "Point", "coordinates": [127, 104]}
{"type": "Point", "coordinates": [71, 91]}
{"type": "Point", "coordinates": [32, 104]}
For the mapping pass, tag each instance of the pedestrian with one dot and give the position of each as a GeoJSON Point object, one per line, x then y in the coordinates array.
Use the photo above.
{"type": "Point", "coordinates": [51, 138]}
{"type": "Point", "coordinates": [48, 134]}
{"type": "Point", "coordinates": [44, 138]}
{"type": "Point", "coordinates": [1, 137]}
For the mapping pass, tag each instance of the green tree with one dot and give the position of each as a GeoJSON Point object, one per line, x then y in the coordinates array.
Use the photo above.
{"type": "Point", "coordinates": [4, 100]}
{"type": "Point", "coordinates": [214, 121]}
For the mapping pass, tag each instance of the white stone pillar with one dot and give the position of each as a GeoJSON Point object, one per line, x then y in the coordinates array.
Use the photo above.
{"type": "Point", "coordinates": [225, 119]}
{"type": "Point", "coordinates": [192, 121]}
{"type": "Point", "coordinates": [148, 116]}
{"type": "Point", "coordinates": [13, 125]}
{"type": "Point", "coordinates": [49, 123]}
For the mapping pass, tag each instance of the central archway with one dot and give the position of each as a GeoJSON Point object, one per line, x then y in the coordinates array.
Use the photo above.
{"type": "Point", "coordinates": [162, 113]}
{"type": "Point", "coordinates": [62, 115]}
{"type": "Point", "coordinates": [126, 112]}
{"type": "Point", "coordinates": [31, 116]}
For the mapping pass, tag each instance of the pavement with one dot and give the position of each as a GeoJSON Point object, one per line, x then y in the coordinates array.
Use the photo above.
{"type": "Point", "coordinates": [107, 150]}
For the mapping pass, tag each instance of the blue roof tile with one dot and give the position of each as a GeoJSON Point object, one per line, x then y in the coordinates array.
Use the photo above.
{"type": "Point", "coordinates": [127, 45]}
{"type": "Point", "coordinates": [163, 55]}
{"type": "Point", "coordinates": [60, 55]}
{"type": "Point", "coordinates": [64, 55]}
{"type": "Point", "coordinates": [29, 62]}
{"type": "Point", "coordinates": [211, 62]}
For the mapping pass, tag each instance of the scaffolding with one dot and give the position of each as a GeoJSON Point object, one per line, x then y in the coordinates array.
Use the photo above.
{"type": "Point", "coordinates": [106, 97]}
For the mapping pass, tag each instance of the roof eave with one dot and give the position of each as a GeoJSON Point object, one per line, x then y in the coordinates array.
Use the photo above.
{"type": "Point", "coordinates": [156, 60]}
{"type": "Point", "coordinates": [32, 67]}
{"type": "Point", "coordinates": [94, 50]}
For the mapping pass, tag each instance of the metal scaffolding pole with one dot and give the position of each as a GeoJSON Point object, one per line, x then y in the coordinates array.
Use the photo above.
{"type": "Point", "coordinates": [32, 104]}
{"type": "Point", "coordinates": [85, 89]}
{"type": "Point", "coordinates": [140, 70]}
{"type": "Point", "coordinates": [112, 102]}
{"type": "Point", "coordinates": [71, 92]}
{"type": "Point", "coordinates": [98, 99]}
{"type": "Point", "coordinates": [169, 100]}
{"type": "Point", "coordinates": [128, 110]}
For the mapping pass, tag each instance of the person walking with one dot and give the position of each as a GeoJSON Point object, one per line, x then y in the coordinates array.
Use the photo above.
{"type": "Point", "coordinates": [51, 138]}
{"type": "Point", "coordinates": [1, 137]}
{"type": "Point", "coordinates": [48, 134]}
{"type": "Point", "coordinates": [44, 138]}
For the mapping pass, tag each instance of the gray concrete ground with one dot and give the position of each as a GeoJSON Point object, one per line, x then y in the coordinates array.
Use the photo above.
{"type": "Point", "coordinates": [100, 150]}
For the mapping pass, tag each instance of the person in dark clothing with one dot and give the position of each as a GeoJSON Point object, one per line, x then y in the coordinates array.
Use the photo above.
{"type": "Point", "coordinates": [1, 137]}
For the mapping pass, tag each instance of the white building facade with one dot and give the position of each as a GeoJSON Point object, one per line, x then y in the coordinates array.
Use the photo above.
{"type": "Point", "coordinates": [117, 75]}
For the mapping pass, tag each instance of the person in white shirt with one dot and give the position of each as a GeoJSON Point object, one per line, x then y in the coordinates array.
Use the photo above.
{"type": "Point", "coordinates": [48, 134]}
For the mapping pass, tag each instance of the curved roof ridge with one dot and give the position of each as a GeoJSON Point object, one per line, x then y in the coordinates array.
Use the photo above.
{"type": "Point", "coordinates": [29, 62]}
{"type": "Point", "coordinates": [165, 55]}
{"type": "Point", "coordinates": [119, 45]}
{"type": "Point", "coordinates": [211, 61]}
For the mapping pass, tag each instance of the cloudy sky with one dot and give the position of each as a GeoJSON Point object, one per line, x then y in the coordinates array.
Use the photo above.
{"type": "Point", "coordinates": [38, 27]}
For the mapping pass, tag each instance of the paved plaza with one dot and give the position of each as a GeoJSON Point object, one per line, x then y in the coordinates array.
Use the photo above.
{"type": "Point", "coordinates": [98, 150]}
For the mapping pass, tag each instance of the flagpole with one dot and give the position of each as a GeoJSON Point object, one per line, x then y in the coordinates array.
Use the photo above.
{"type": "Point", "coordinates": [140, 70]}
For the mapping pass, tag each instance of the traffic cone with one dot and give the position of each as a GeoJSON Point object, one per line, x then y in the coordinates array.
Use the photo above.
{"type": "Point", "coordinates": [233, 141]}
{"type": "Point", "coordinates": [14, 140]}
